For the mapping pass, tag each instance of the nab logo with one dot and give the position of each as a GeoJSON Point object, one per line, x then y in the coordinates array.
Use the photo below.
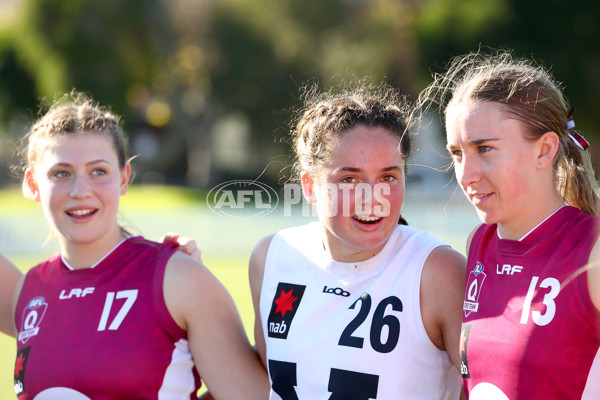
{"type": "Point", "coordinates": [464, 342]}
{"type": "Point", "coordinates": [20, 365]}
{"type": "Point", "coordinates": [508, 269]}
{"type": "Point", "coordinates": [283, 309]}
{"type": "Point", "coordinates": [242, 199]}
{"type": "Point", "coordinates": [474, 285]}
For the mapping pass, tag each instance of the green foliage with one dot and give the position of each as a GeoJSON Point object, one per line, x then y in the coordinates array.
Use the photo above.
{"type": "Point", "coordinates": [92, 45]}
{"type": "Point", "coordinates": [17, 87]}
{"type": "Point", "coordinates": [560, 35]}
{"type": "Point", "coordinates": [175, 69]}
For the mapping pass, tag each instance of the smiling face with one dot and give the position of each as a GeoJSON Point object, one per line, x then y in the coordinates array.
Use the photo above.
{"type": "Point", "coordinates": [78, 181]}
{"type": "Point", "coordinates": [507, 177]}
{"type": "Point", "coordinates": [359, 192]}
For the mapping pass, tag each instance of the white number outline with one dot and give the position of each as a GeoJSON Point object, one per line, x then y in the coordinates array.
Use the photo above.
{"type": "Point", "coordinates": [130, 296]}
{"type": "Point", "coordinates": [537, 317]}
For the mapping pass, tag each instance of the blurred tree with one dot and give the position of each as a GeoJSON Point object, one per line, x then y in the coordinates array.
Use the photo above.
{"type": "Point", "coordinates": [263, 51]}
{"type": "Point", "coordinates": [99, 46]}
{"type": "Point", "coordinates": [561, 35]}
{"type": "Point", "coordinates": [195, 77]}
{"type": "Point", "coordinates": [17, 87]}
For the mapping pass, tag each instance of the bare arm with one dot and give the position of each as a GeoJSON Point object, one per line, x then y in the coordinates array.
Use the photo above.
{"type": "Point", "coordinates": [256, 272]}
{"type": "Point", "coordinates": [201, 305]}
{"type": "Point", "coordinates": [470, 238]}
{"type": "Point", "coordinates": [593, 274]}
{"type": "Point", "coordinates": [442, 291]}
{"type": "Point", "coordinates": [10, 283]}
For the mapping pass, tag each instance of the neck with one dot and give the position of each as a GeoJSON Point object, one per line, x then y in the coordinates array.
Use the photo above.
{"type": "Point", "coordinates": [85, 255]}
{"type": "Point", "coordinates": [343, 253]}
{"type": "Point", "coordinates": [516, 230]}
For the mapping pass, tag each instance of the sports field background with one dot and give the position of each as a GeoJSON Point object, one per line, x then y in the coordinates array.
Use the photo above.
{"type": "Point", "coordinates": [225, 243]}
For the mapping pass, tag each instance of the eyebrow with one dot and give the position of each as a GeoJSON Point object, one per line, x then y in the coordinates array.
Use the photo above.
{"type": "Point", "coordinates": [476, 142]}
{"type": "Point", "coordinates": [352, 169]}
{"type": "Point", "coordinates": [93, 162]}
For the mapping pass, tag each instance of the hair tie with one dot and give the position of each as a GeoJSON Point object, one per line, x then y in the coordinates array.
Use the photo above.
{"type": "Point", "coordinates": [578, 139]}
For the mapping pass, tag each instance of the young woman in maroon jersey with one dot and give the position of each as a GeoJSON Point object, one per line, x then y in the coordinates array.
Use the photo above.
{"type": "Point", "coordinates": [531, 313]}
{"type": "Point", "coordinates": [115, 315]}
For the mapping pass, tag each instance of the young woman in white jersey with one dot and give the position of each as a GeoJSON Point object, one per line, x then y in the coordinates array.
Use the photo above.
{"type": "Point", "coordinates": [531, 313]}
{"type": "Point", "coordinates": [356, 305]}
{"type": "Point", "coordinates": [115, 315]}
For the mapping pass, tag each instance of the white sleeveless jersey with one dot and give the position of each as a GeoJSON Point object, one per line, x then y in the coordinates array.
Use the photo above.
{"type": "Point", "coordinates": [350, 331]}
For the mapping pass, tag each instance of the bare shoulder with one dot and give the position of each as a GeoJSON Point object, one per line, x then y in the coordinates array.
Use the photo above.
{"type": "Point", "coordinates": [444, 276]}
{"type": "Point", "coordinates": [445, 263]}
{"type": "Point", "coordinates": [470, 238]}
{"type": "Point", "coordinates": [8, 271]}
{"type": "Point", "coordinates": [256, 267]}
{"type": "Point", "coordinates": [593, 274]}
{"type": "Point", "coordinates": [187, 271]}
{"type": "Point", "coordinates": [189, 287]}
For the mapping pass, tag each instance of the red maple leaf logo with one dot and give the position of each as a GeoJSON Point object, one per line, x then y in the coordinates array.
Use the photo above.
{"type": "Point", "coordinates": [284, 302]}
{"type": "Point", "coordinates": [19, 365]}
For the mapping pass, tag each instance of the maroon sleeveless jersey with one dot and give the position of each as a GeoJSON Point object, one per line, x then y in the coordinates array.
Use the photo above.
{"type": "Point", "coordinates": [530, 330]}
{"type": "Point", "coordinates": [102, 333]}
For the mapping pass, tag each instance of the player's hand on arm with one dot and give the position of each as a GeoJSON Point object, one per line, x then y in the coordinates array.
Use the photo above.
{"type": "Point", "coordinates": [10, 284]}
{"type": "Point", "coordinates": [186, 244]}
{"type": "Point", "coordinates": [222, 354]}
{"type": "Point", "coordinates": [256, 272]}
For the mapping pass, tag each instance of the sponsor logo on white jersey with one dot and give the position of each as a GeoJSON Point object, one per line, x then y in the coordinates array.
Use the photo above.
{"type": "Point", "coordinates": [285, 304]}
{"type": "Point", "coordinates": [338, 291]}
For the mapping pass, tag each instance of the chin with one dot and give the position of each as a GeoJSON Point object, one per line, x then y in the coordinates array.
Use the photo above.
{"type": "Point", "coordinates": [486, 217]}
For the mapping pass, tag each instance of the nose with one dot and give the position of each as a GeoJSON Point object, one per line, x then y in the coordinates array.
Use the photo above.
{"type": "Point", "coordinates": [80, 187]}
{"type": "Point", "coordinates": [467, 171]}
{"type": "Point", "coordinates": [363, 197]}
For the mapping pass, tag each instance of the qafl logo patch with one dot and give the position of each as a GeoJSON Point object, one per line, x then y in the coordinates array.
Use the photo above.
{"type": "Point", "coordinates": [283, 309]}
{"type": "Point", "coordinates": [474, 285]}
{"type": "Point", "coordinates": [33, 315]}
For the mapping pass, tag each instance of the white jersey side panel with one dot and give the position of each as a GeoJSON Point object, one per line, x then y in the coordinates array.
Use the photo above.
{"type": "Point", "coordinates": [350, 330]}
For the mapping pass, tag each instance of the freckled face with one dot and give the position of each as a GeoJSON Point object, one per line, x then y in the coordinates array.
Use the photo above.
{"type": "Point", "coordinates": [493, 161]}
{"type": "Point", "coordinates": [78, 181]}
{"type": "Point", "coordinates": [359, 193]}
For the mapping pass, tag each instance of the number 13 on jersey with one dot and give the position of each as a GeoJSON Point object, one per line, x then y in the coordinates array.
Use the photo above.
{"type": "Point", "coordinates": [537, 317]}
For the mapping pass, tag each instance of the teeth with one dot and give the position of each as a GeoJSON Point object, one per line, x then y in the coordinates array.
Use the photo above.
{"type": "Point", "coordinates": [367, 219]}
{"type": "Point", "coordinates": [81, 212]}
